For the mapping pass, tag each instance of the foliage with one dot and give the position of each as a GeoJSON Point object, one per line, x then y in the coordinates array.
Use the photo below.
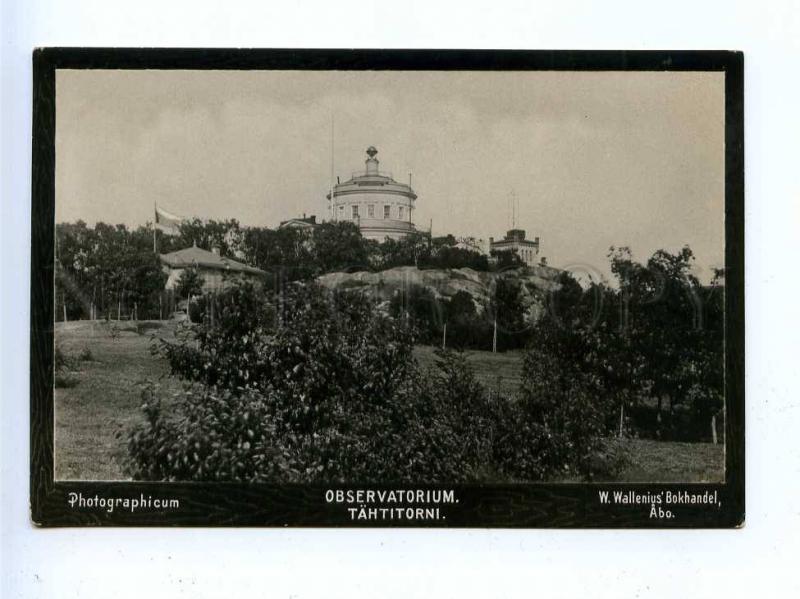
{"type": "Point", "coordinates": [559, 413]}
{"type": "Point", "coordinates": [509, 313]}
{"type": "Point", "coordinates": [103, 269]}
{"type": "Point", "coordinates": [62, 363]}
{"type": "Point", "coordinates": [659, 334]}
{"type": "Point", "coordinates": [339, 246]}
{"type": "Point", "coordinates": [420, 309]}
{"type": "Point", "coordinates": [190, 283]}
{"type": "Point", "coordinates": [506, 259]}
{"type": "Point", "coordinates": [420, 250]}
{"type": "Point", "coordinates": [674, 328]}
{"type": "Point", "coordinates": [108, 270]}
{"type": "Point", "coordinates": [65, 380]}
{"type": "Point", "coordinates": [287, 252]}
{"type": "Point", "coordinates": [226, 235]}
{"type": "Point", "coordinates": [311, 386]}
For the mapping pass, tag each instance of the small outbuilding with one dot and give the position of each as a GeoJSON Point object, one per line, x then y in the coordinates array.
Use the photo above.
{"type": "Point", "coordinates": [218, 271]}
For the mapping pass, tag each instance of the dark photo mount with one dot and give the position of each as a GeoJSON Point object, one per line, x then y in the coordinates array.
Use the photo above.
{"type": "Point", "coordinates": [519, 505]}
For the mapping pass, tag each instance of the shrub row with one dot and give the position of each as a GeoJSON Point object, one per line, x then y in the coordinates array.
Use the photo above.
{"type": "Point", "coordinates": [317, 387]}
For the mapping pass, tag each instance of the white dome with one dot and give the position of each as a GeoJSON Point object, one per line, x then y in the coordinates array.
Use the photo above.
{"type": "Point", "coordinates": [372, 199]}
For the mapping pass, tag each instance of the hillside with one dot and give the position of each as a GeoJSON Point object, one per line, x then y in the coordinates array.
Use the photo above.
{"type": "Point", "coordinates": [536, 282]}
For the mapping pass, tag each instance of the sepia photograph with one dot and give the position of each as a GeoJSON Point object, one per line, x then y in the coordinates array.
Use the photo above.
{"type": "Point", "coordinates": [401, 301]}
{"type": "Point", "coordinates": [365, 278]}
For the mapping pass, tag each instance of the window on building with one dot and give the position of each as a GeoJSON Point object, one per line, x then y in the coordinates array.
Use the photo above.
{"type": "Point", "coordinates": [341, 212]}
{"type": "Point", "coordinates": [400, 213]}
{"type": "Point", "coordinates": [355, 211]}
{"type": "Point", "coordinates": [371, 210]}
{"type": "Point", "coordinates": [387, 211]}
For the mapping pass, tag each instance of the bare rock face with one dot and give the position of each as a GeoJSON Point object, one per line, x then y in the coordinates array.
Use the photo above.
{"type": "Point", "coordinates": [535, 283]}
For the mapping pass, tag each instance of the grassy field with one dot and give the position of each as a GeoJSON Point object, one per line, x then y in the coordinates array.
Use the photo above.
{"type": "Point", "coordinates": [94, 416]}
{"type": "Point", "coordinates": [501, 371]}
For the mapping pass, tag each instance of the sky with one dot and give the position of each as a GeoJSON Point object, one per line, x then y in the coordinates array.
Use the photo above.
{"type": "Point", "coordinates": [592, 159]}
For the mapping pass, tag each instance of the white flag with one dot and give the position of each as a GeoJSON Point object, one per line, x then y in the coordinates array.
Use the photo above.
{"type": "Point", "coordinates": [167, 222]}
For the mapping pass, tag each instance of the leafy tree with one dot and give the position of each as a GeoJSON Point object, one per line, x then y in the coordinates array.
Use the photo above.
{"type": "Point", "coordinates": [663, 325]}
{"type": "Point", "coordinates": [339, 246]}
{"type": "Point", "coordinates": [507, 310]}
{"type": "Point", "coordinates": [461, 307]}
{"type": "Point", "coordinates": [418, 307]}
{"type": "Point", "coordinates": [412, 250]}
{"type": "Point", "coordinates": [286, 253]}
{"type": "Point", "coordinates": [559, 413]}
{"type": "Point", "coordinates": [190, 283]}
{"type": "Point", "coordinates": [104, 269]}
{"type": "Point", "coordinates": [225, 235]}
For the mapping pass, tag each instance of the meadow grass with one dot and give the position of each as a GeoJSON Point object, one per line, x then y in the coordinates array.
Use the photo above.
{"type": "Point", "coordinates": [93, 417]}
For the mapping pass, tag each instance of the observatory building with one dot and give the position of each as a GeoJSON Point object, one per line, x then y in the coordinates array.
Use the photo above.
{"type": "Point", "coordinates": [372, 199]}
{"type": "Point", "coordinates": [515, 241]}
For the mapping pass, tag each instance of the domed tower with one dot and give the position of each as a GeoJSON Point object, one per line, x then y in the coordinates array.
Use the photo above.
{"type": "Point", "coordinates": [379, 205]}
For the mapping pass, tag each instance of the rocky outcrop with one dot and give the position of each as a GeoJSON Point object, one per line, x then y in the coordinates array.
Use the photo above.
{"type": "Point", "coordinates": [535, 283]}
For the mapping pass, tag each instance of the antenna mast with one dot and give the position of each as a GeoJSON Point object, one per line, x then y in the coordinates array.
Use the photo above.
{"type": "Point", "coordinates": [513, 210]}
{"type": "Point", "coordinates": [330, 203]}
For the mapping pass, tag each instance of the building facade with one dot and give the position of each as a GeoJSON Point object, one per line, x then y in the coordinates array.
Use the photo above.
{"type": "Point", "coordinates": [515, 241]}
{"type": "Point", "coordinates": [218, 271]}
{"type": "Point", "coordinates": [380, 206]}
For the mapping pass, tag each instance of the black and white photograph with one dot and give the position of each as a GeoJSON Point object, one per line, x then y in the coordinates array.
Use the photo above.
{"type": "Point", "coordinates": [419, 300]}
{"type": "Point", "coordinates": [397, 287]}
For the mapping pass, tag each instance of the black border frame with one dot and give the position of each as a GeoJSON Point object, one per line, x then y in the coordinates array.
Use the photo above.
{"type": "Point", "coordinates": [504, 506]}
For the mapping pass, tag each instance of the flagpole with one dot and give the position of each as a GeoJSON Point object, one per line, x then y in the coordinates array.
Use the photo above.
{"type": "Point", "coordinates": [155, 220]}
{"type": "Point", "coordinates": [330, 204]}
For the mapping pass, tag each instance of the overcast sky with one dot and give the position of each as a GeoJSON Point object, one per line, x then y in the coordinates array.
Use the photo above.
{"type": "Point", "coordinates": [593, 159]}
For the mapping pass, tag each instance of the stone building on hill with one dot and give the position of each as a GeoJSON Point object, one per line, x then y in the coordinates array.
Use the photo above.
{"type": "Point", "coordinates": [515, 241]}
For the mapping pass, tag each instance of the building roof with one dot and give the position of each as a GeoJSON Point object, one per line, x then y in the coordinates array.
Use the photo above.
{"type": "Point", "coordinates": [195, 256]}
{"type": "Point", "coordinates": [372, 180]}
{"type": "Point", "coordinates": [305, 222]}
{"type": "Point", "coordinates": [514, 236]}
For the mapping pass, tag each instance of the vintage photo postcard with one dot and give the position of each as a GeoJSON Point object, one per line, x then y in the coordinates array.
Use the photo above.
{"type": "Point", "coordinates": [387, 288]}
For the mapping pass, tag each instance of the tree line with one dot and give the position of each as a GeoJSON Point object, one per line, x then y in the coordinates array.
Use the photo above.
{"type": "Point", "coordinates": [650, 343]}
{"type": "Point", "coordinates": [108, 271]}
{"type": "Point", "coordinates": [312, 385]}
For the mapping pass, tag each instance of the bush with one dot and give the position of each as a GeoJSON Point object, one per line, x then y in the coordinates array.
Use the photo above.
{"type": "Point", "coordinates": [86, 355]}
{"type": "Point", "coordinates": [325, 371]}
{"type": "Point", "coordinates": [64, 380]}
{"type": "Point", "coordinates": [61, 361]}
{"type": "Point", "coordinates": [219, 436]}
{"type": "Point", "coordinates": [317, 387]}
{"type": "Point", "coordinates": [426, 430]}
{"type": "Point", "coordinates": [556, 427]}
